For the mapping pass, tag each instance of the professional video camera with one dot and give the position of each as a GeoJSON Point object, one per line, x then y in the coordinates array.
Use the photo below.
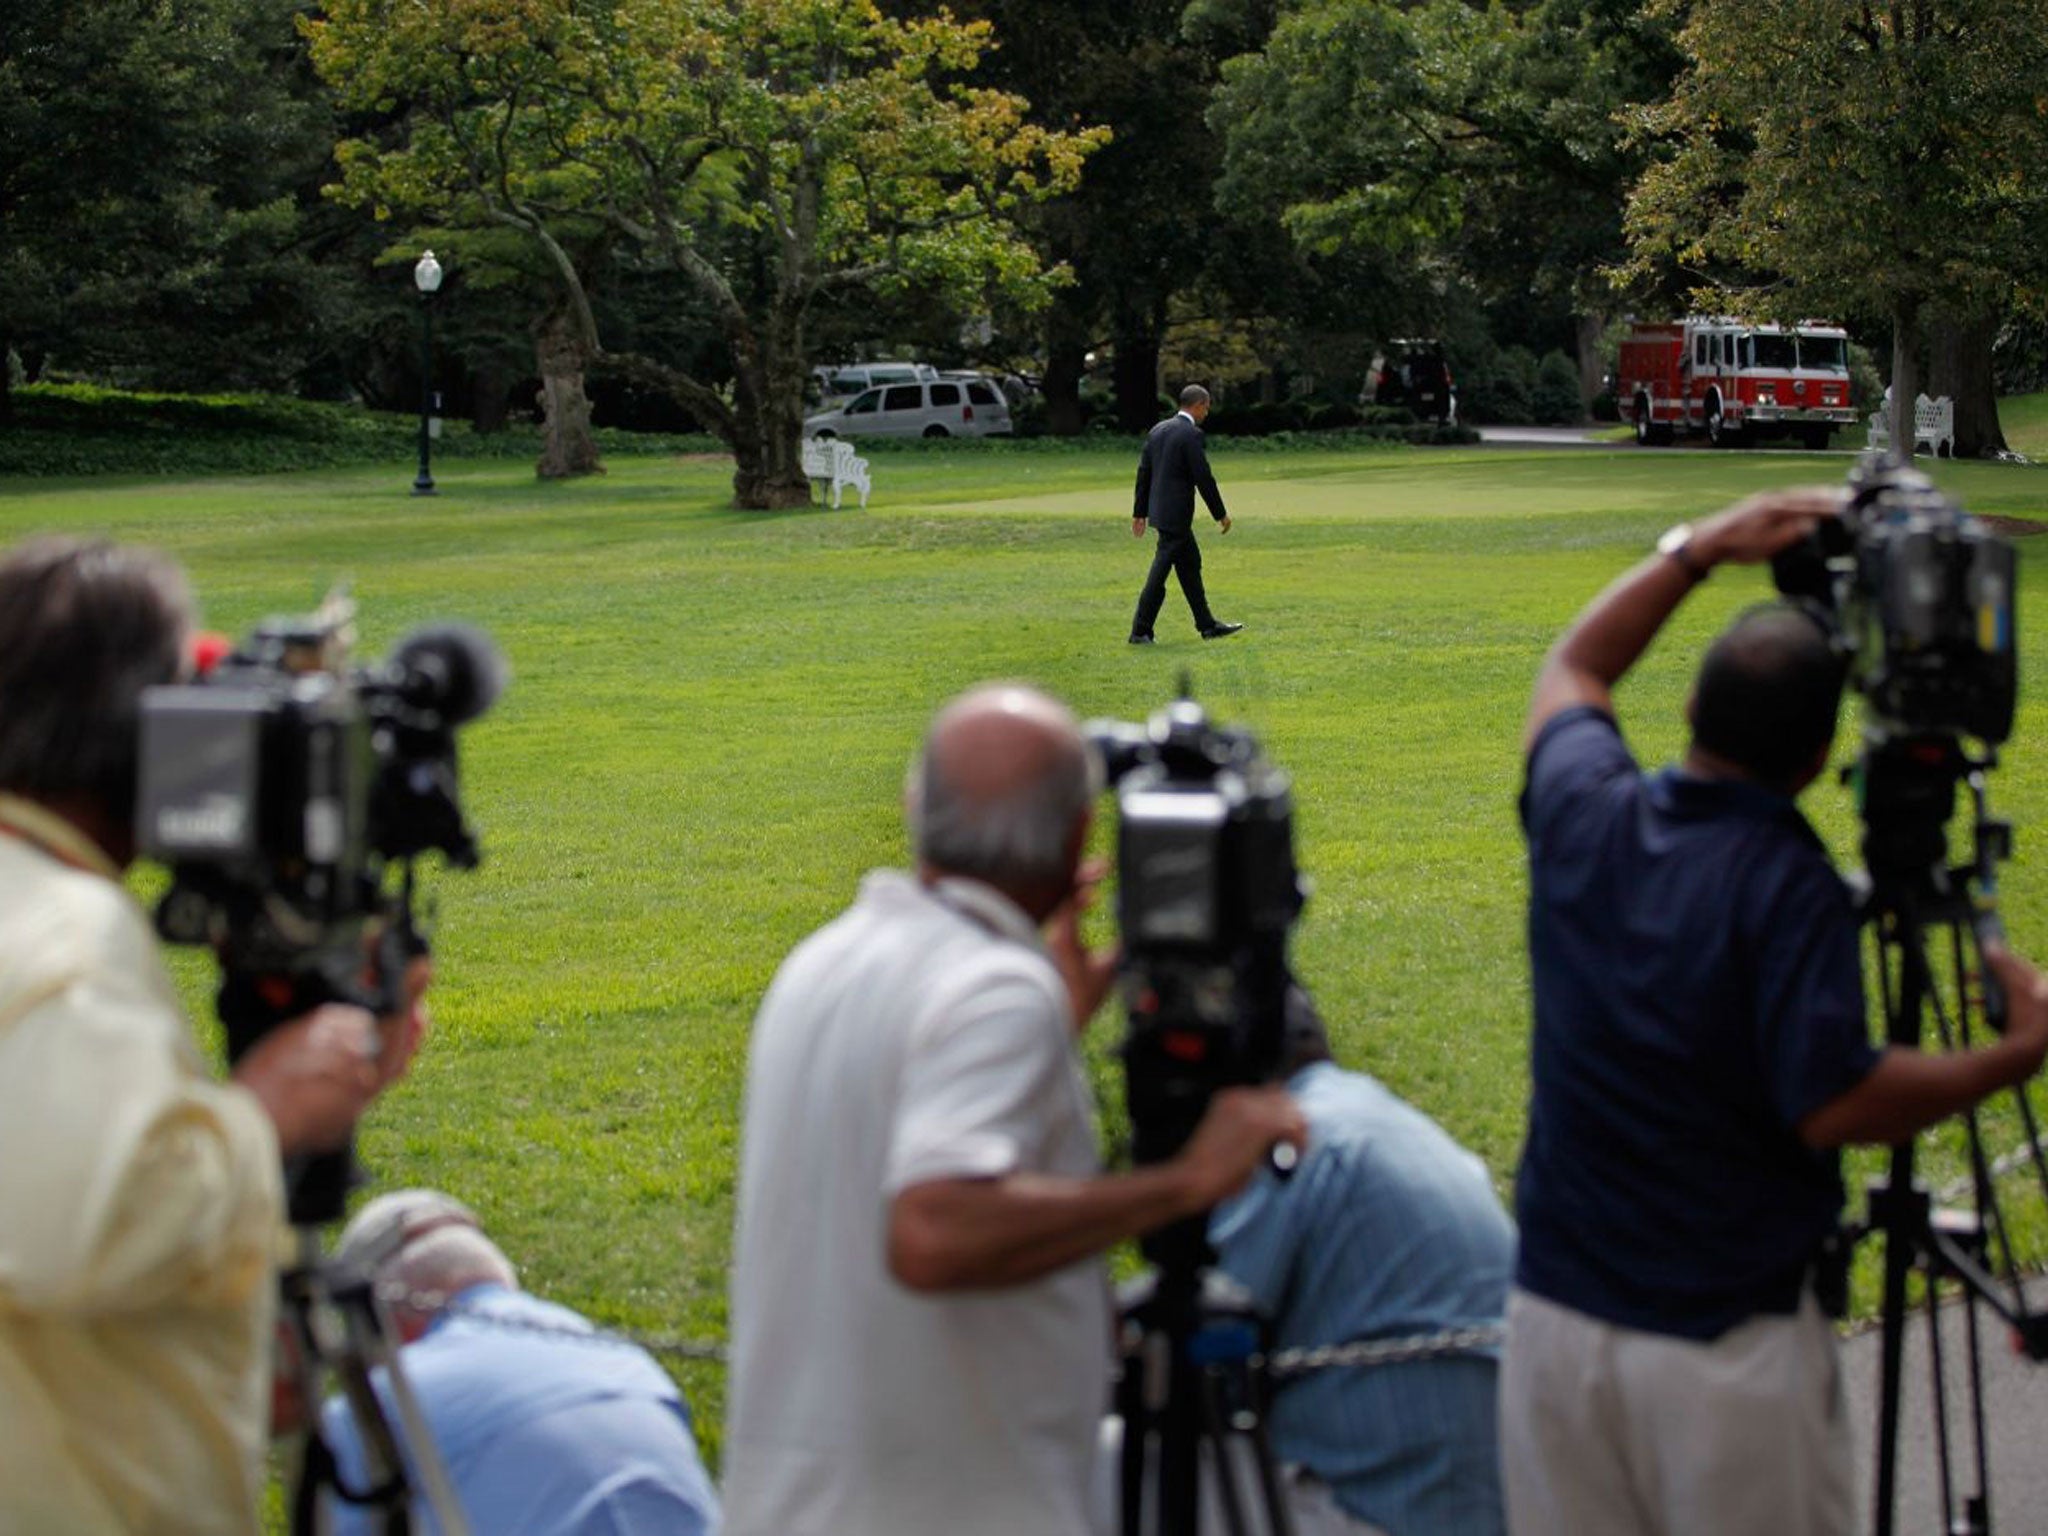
{"type": "Point", "coordinates": [1207, 893]}
{"type": "Point", "coordinates": [282, 786]}
{"type": "Point", "coordinates": [1918, 596]}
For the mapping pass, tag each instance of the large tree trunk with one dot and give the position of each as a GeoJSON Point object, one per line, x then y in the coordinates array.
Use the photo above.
{"type": "Point", "coordinates": [1066, 364]}
{"type": "Point", "coordinates": [1137, 378]}
{"type": "Point", "coordinates": [768, 414]}
{"type": "Point", "coordinates": [1905, 374]}
{"type": "Point", "coordinates": [1959, 366]}
{"type": "Point", "coordinates": [567, 446]}
{"type": "Point", "coordinates": [1590, 328]}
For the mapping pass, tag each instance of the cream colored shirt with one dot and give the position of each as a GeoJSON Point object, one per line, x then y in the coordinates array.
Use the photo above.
{"type": "Point", "coordinates": [140, 1209]}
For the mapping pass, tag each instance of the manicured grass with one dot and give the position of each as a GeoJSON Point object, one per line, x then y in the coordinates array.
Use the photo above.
{"type": "Point", "coordinates": [711, 712]}
{"type": "Point", "coordinates": [2024, 419]}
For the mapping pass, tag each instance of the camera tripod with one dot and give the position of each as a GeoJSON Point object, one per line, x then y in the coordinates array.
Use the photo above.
{"type": "Point", "coordinates": [1908, 794]}
{"type": "Point", "coordinates": [1191, 1402]}
{"type": "Point", "coordinates": [338, 1323]}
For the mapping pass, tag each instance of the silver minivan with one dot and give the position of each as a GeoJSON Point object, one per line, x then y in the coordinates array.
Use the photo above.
{"type": "Point", "coordinates": [936, 408]}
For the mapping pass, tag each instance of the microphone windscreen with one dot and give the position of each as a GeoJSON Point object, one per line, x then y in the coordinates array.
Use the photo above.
{"type": "Point", "coordinates": [207, 649]}
{"type": "Point", "coordinates": [455, 667]}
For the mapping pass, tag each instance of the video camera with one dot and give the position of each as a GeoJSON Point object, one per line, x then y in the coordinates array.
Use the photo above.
{"type": "Point", "coordinates": [1918, 597]}
{"type": "Point", "coordinates": [280, 789]}
{"type": "Point", "coordinates": [1207, 893]}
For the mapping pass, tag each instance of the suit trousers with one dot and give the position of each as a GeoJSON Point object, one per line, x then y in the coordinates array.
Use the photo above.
{"type": "Point", "coordinates": [1179, 553]}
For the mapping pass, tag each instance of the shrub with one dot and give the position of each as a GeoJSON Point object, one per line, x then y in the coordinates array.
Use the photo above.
{"type": "Point", "coordinates": [1554, 402]}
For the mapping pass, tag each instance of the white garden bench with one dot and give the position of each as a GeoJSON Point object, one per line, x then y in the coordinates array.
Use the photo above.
{"type": "Point", "coordinates": [1934, 423]}
{"type": "Point", "coordinates": [832, 461]}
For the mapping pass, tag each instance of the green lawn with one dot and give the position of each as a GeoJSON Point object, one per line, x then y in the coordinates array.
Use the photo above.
{"type": "Point", "coordinates": [711, 711]}
{"type": "Point", "coordinates": [2024, 419]}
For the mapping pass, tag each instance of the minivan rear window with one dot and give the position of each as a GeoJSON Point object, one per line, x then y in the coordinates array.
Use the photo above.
{"type": "Point", "coordinates": [945, 394]}
{"type": "Point", "coordinates": [981, 394]}
{"type": "Point", "coordinates": [902, 397]}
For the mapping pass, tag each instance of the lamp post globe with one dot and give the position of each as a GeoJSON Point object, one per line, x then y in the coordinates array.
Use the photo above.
{"type": "Point", "coordinates": [426, 276]}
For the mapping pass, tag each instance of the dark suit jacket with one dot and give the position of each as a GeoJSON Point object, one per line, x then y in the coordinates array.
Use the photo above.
{"type": "Point", "coordinates": [1172, 468]}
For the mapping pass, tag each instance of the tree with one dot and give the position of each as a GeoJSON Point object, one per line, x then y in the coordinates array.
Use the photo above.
{"type": "Point", "coordinates": [768, 155]}
{"type": "Point", "coordinates": [1882, 159]}
{"type": "Point", "coordinates": [1454, 144]}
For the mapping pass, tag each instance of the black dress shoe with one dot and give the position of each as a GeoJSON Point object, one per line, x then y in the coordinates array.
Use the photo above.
{"type": "Point", "coordinates": [1218, 630]}
{"type": "Point", "coordinates": [1141, 640]}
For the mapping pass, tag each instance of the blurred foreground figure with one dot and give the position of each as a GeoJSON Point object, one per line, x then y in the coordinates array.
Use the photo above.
{"type": "Point", "coordinates": [1701, 1052]}
{"type": "Point", "coordinates": [140, 1202]}
{"type": "Point", "coordinates": [921, 1318]}
{"type": "Point", "coordinates": [546, 1428]}
{"type": "Point", "coordinates": [1388, 1229]}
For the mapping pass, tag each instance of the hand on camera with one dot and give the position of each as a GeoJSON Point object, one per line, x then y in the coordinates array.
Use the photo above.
{"type": "Point", "coordinates": [315, 1075]}
{"type": "Point", "coordinates": [1239, 1129]}
{"type": "Point", "coordinates": [2026, 1004]}
{"type": "Point", "coordinates": [1757, 527]}
{"type": "Point", "coordinates": [1089, 974]}
{"type": "Point", "coordinates": [403, 1030]}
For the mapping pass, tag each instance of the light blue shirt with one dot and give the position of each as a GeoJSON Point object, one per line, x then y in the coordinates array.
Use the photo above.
{"type": "Point", "coordinates": [543, 1435]}
{"type": "Point", "coordinates": [1388, 1228]}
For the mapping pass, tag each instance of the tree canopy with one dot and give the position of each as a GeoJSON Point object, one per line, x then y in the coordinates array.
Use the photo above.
{"type": "Point", "coordinates": [768, 154]}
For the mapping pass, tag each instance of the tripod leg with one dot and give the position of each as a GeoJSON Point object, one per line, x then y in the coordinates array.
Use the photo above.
{"type": "Point", "coordinates": [1937, 1380]}
{"type": "Point", "coordinates": [1898, 1259]}
{"type": "Point", "coordinates": [1216, 1428]}
{"type": "Point", "coordinates": [1977, 1509]}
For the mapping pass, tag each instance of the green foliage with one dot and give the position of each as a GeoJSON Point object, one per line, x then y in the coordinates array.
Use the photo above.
{"type": "Point", "coordinates": [1554, 399]}
{"type": "Point", "coordinates": [1500, 387]}
{"type": "Point", "coordinates": [1827, 159]}
{"type": "Point", "coordinates": [765, 155]}
{"type": "Point", "coordinates": [77, 429]}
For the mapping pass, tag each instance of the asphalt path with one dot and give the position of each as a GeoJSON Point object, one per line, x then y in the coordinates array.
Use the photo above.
{"type": "Point", "coordinates": [2015, 1417]}
{"type": "Point", "coordinates": [1590, 437]}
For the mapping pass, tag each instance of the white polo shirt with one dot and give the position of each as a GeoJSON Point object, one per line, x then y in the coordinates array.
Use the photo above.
{"type": "Point", "coordinates": [923, 1035]}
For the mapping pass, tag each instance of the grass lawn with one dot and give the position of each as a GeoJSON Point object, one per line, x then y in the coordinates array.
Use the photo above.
{"type": "Point", "coordinates": [711, 712]}
{"type": "Point", "coordinates": [2024, 419]}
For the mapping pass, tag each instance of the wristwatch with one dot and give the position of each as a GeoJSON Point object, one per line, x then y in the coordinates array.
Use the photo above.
{"type": "Point", "coordinates": [1676, 544]}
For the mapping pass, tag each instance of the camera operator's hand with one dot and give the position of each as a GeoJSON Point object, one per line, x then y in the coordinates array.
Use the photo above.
{"type": "Point", "coordinates": [1237, 1132]}
{"type": "Point", "coordinates": [1757, 527]}
{"type": "Point", "coordinates": [2026, 1005]}
{"type": "Point", "coordinates": [314, 1076]}
{"type": "Point", "coordinates": [403, 1031]}
{"type": "Point", "coordinates": [1089, 974]}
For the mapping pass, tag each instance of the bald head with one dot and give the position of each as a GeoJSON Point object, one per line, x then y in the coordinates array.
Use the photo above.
{"type": "Point", "coordinates": [1001, 792]}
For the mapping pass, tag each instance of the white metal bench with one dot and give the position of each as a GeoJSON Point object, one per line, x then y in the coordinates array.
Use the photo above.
{"type": "Point", "coordinates": [1934, 423]}
{"type": "Point", "coordinates": [831, 461]}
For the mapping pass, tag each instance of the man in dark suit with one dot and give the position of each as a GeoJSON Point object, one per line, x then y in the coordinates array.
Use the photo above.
{"type": "Point", "coordinates": [1172, 468]}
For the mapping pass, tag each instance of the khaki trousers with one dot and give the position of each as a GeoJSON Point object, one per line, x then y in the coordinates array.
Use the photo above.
{"type": "Point", "coordinates": [1609, 1431]}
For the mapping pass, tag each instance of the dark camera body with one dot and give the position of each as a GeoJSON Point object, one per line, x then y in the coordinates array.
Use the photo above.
{"type": "Point", "coordinates": [1919, 596]}
{"type": "Point", "coordinates": [1207, 893]}
{"type": "Point", "coordinates": [278, 788]}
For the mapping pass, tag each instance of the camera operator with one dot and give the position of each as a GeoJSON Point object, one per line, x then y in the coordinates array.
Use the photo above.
{"type": "Point", "coordinates": [547, 1427]}
{"type": "Point", "coordinates": [1388, 1229]}
{"type": "Point", "coordinates": [1701, 1051]}
{"type": "Point", "coordinates": [921, 1320]}
{"type": "Point", "coordinates": [140, 1201]}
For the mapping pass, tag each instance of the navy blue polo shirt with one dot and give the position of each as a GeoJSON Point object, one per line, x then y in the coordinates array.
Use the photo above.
{"type": "Point", "coordinates": [1698, 992]}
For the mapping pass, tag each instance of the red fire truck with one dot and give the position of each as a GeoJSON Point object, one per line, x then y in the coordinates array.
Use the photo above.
{"type": "Point", "coordinates": [1733, 381]}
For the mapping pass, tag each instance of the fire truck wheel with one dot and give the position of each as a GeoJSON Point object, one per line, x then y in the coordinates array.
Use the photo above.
{"type": "Point", "coordinates": [1648, 433]}
{"type": "Point", "coordinates": [1719, 433]}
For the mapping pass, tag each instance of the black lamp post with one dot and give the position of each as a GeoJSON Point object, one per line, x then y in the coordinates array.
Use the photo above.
{"type": "Point", "coordinates": [427, 278]}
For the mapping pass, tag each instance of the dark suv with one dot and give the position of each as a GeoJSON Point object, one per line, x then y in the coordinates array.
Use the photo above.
{"type": "Point", "coordinates": [1414, 374]}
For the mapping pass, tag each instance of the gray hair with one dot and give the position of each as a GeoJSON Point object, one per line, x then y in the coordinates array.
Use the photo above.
{"type": "Point", "coordinates": [425, 1244]}
{"type": "Point", "coordinates": [85, 627]}
{"type": "Point", "coordinates": [1017, 835]}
